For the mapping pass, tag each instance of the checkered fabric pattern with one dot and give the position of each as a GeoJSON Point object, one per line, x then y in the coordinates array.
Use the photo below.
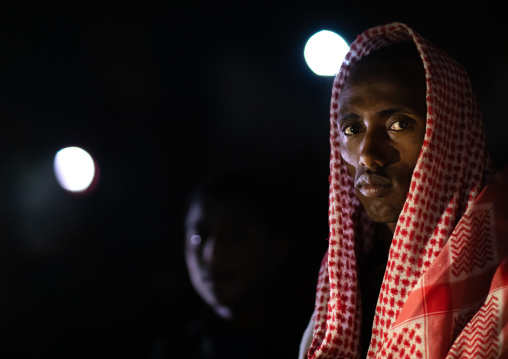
{"type": "Point", "coordinates": [444, 291]}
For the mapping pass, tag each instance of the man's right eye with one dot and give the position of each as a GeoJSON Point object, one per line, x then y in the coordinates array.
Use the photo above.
{"type": "Point", "coordinates": [351, 130]}
{"type": "Point", "coordinates": [195, 239]}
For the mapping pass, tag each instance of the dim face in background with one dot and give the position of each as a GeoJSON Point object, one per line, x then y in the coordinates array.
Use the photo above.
{"type": "Point", "coordinates": [228, 253]}
{"type": "Point", "coordinates": [381, 122]}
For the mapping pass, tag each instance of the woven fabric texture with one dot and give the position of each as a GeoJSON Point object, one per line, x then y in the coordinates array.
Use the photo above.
{"type": "Point", "coordinates": [444, 289]}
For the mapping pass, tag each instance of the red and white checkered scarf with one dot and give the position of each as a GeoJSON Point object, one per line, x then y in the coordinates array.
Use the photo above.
{"type": "Point", "coordinates": [444, 291]}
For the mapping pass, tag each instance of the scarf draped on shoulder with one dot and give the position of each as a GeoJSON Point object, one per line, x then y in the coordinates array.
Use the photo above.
{"type": "Point", "coordinates": [445, 289]}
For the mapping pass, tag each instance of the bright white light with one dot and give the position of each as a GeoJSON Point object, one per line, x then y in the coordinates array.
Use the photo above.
{"type": "Point", "coordinates": [324, 52]}
{"type": "Point", "coordinates": [74, 169]}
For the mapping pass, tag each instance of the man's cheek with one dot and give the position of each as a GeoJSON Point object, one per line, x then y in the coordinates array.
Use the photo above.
{"type": "Point", "coordinates": [349, 164]}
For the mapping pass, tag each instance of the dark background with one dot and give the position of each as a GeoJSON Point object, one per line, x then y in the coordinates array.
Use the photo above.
{"type": "Point", "coordinates": [161, 94]}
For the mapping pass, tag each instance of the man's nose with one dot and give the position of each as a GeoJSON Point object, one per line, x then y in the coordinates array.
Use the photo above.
{"type": "Point", "coordinates": [210, 250]}
{"type": "Point", "coordinates": [377, 149]}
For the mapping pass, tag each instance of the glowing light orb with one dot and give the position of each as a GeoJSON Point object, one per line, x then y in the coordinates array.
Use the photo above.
{"type": "Point", "coordinates": [74, 169]}
{"type": "Point", "coordinates": [324, 52]}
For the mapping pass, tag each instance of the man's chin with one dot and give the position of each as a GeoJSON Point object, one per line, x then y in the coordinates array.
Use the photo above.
{"type": "Point", "coordinates": [381, 212]}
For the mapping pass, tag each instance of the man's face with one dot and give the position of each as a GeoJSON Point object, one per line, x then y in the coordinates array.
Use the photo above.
{"type": "Point", "coordinates": [227, 252]}
{"type": "Point", "coordinates": [381, 122]}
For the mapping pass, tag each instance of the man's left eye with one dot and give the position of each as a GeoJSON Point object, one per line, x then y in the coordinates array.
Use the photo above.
{"type": "Point", "coordinates": [399, 125]}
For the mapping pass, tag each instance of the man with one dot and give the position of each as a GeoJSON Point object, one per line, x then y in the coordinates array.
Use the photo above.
{"type": "Point", "coordinates": [242, 263]}
{"type": "Point", "coordinates": [416, 265]}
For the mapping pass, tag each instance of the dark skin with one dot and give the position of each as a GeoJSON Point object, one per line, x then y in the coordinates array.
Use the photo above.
{"type": "Point", "coordinates": [381, 121]}
{"type": "Point", "coordinates": [229, 257]}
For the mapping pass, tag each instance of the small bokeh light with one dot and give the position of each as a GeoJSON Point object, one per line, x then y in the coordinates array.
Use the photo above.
{"type": "Point", "coordinates": [324, 52]}
{"type": "Point", "coordinates": [74, 169]}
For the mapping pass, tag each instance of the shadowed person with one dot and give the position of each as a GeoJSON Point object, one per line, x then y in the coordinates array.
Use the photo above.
{"type": "Point", "coordinates": [241, 253]}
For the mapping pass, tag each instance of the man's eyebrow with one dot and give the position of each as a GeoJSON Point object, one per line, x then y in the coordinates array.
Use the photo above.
{"type": "Point", "coordinates": [348, 116]}
{"type": "Point", "coordinates": [391, 111]}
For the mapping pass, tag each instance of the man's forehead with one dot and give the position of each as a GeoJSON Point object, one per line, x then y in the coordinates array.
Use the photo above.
{"type": "Point", "coordinates": [400, 83]}
{"type": "Point", "coordinates": [396, 67]}
{"type": "Point", "coordinates": [399, 51]}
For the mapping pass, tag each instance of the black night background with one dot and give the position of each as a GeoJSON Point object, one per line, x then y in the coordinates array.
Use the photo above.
{"type": "Point", "coordinates": [162, 94]}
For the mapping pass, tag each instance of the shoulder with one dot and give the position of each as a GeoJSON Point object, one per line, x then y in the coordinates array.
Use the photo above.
{"type": "Point", "coordinates": [306, 339]}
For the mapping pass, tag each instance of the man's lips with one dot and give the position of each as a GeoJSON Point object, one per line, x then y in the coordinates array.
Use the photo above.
{"type": "Point", "coordinates": [218, 277]}
{"type": "Point", "coordinates": [373, 185]}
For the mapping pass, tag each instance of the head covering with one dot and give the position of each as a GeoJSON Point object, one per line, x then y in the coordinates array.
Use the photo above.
{"type": "Point", "coordinates": [444, 253]}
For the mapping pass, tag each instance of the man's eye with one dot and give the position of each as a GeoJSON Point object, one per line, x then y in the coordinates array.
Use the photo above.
{"type": "Point", "coordinates": [195, 239]}
{"type": "Point", "coordinates": [351, 130]}
{"type": "Point", "coordinates": [399, 125]}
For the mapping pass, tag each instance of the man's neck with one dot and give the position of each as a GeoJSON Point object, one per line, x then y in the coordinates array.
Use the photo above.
{"type": "Point", "coordinates": [386, 234]}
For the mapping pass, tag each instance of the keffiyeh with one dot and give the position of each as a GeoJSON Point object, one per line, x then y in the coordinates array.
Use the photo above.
{"type": "Point", "coordinates": [445, 288]}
